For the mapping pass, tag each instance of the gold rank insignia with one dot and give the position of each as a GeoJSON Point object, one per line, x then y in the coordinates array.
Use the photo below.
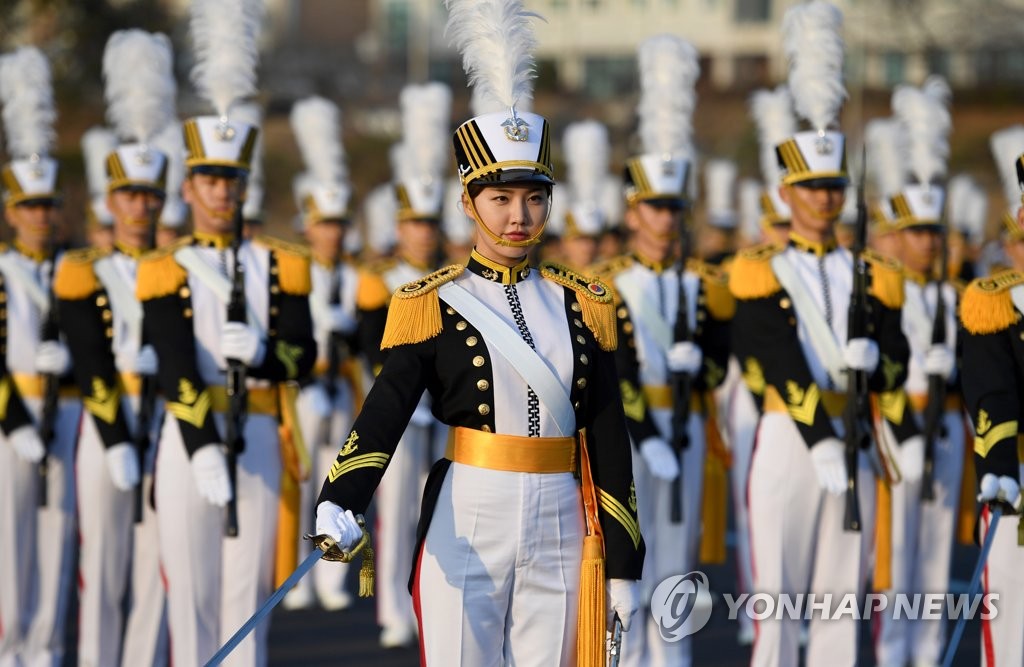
{"type": "Point", "coordinates": [632, 496]}
{"type": "Point", "coordinates": [103, 403]}
{"type": "Point", "coordinates": [632, 401]}
{"type": "Point", "coordinates": [891, 369]}
{"type": "Point", "coordinates": [186, 392]}
{"type": "Point", "coordinates": [350, 444]}
{"type": "Point", "coordinates": [5, 395]}
{"type": "Point", "coordinates": [191, 406]}
{"type": "Point", "coordinates": [753, 375]}
{"type": "Point", "coordinates": [289, 356]}
{"type": "Point", "coordinates": [802, 403]}
{"type": "Point", "coordinates": [984, 423]}
{"type": "Point", "coordinates": [369, 460]}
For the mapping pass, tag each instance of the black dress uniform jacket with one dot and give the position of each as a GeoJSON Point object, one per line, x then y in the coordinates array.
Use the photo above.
{"type": "Point", "coordinates": [428, 350]}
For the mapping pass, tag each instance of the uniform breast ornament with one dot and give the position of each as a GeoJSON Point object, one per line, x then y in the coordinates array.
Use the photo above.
{"type": "Point", "coordinates": [415, 312]}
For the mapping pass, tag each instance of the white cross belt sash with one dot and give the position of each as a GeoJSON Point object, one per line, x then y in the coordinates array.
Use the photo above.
{"type": "Point", "coordinates": [820, 334]}
{"type": "Point", "coordinates": [645, 312]}
{"type": "Point", "coordinates": [524, 359]}
{"type": "Point", "coordinates": [122, 298]}
{"type": "Point", "coordinates": [17, 274]}
{"type": "Point", "coordinates": [1017, 295]}
{"type": "Point", "coordinates": [214, 280]}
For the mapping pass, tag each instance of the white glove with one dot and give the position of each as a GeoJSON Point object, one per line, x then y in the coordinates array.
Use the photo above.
{"type": "Point", "coordinates": [939, 360]}
{"type": "Point", "coordinates": [861, 354]}
{"type": "Point", "coordinates": [240, 341]}
{"type": "Point", "coordinates": [829, 458]}
{"type": "Point", "coordinates": [660, 458]}
{"type": "Point", "coordinates": [338, 524]}
{"type": "Point", "coordinates": [52, 358]}
{"type": "Point", "coordinates": [123, 465]}
{"type": "Point", "coordinates": [911, 458]}
{"type": "Point", "coordinates": [1000, 489]}
{"type": "Point", "coordinates": [422, 416]}
{"type": "Point", "coordinates": [140, 361]}
{"type": "Point", "coordinates": [210, 470]}
{"type": "Point", "coordinates": [685, 358]}
{"type": "Point", "coordinates": [319, 401]}
{"type": "Point", "coordinates": [341, 321]}
{"type": "Point", "coordinates": [623, 601]}
{"type": "Point", "coordinates": [27, 444]}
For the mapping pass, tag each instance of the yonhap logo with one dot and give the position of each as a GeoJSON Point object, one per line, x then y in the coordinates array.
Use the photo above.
{"type": "Point", "coordinates": [681, 605]}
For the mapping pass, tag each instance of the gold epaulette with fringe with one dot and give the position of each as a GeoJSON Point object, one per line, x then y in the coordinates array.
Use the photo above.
{"type": "Point", "coordinates": [987, 306]}
{"type": "Point", "coordinates": [610, 268]}
{"type": "Point", "coordinates": [887, 279]}
{"type": "Point", "coordinates": [372, 292]}
{"type": "Point", "coordinates": [415, 311]}
{"type": "Point", "coordinates": [75, 278]}
{"type": "Point", "coordinates": [379, 266]}
{"type": "Point", "coordinates": [720, 301]}
{"type": "Point", "coordinates": [159, 273]}
{"type": "Point", "coordinates": [751, 275]}
{"type": "Point", "coordinates": [596, 301]}
{"type": "Point", "coordinates": [293, 261]}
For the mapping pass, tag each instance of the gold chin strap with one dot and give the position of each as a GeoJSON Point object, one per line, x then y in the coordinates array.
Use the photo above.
{"type": "Point", "coordinates": [533, 240]}
{"type": "Point", "coordinates": [136, 222]}
{"type": "Point", "coordinates": [830, 215]}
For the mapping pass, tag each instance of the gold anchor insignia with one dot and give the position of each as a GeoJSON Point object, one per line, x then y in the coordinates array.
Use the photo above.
{"type": "Point", "coordinates": [350, 444]}
{"type": "Point", "coordinates": [632, 401]}
{"type": "Point", "coordinates": [103, 403]}
{"type": "Point", "coordinates": [289, 356]}
{"type": "Point", "coordinates": [984, 423]}
{"type": "Point", "coordinates": [99, 389]}
{"type": "Point", "coordinates": [802, 402]}
{"type": "Point", "coordinates": [754, 375]}
{"type": "Point", "coordinates": [186, 392]}
{"type": "Point", "coordinates": [795, 395]}
{"type": "Point", "coordinates": [632, 496]}
{"type": "Point", "coordinates": [890, 369]}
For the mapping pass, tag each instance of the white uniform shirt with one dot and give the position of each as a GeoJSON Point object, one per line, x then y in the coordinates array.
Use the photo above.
{"type": "Point", "coordinates": [320, 299]}
{"type": "Point", "coordinates": [918, 318]}
{"type": "Point", "coordinates": [25, 317]}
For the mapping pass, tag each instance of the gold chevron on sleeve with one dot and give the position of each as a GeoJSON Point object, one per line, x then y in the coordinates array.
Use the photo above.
{"type": "Point", "coordinates": [619, 512]}
{"type": "Point", "coordinates": [5, 396]}
{"type": "Point", "coordinates": [801, 403]}
{"type": "Point", "coordinates": [892, 405]}
{"type": "Point", "coordinates": [370, 460]}
{"type": "Point", "coordinates": [984, 443]}
{"type": "Point", "coordinates": [195, 413]}
{"type": "Point", "coordinates": [104, 401]}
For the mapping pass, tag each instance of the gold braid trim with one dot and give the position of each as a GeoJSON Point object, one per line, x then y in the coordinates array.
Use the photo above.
{"type": "Point", "coordinates": [886, 279]}
{"type": "Point", "coordinates": [75, 278]}
{"type": "Point", "coordinates": [292, 264]}
{"type": "Point", "coordinates": [987, 306]}
{"type": "Point", "coordinates": [720, 301]}
{"type": "Point", "coordinates": [415, 311]}
{"type": "Point", "coordinates": [596, 302]}
{"type": "Point", "coordinates": [751, 275]}
{"type": "Point", "coordinates": [159, 273]}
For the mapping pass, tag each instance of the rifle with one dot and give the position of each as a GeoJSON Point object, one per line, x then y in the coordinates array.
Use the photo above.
{"type": "Point", "coordinates": [49, 332]}
{"type": "Point", "coordinates": [235, 381]}
{"type": "Point", "coordinates": [857, 416]}
{"type": "Point", "coordinates": [936, 383]}
{"type": "Point", "coordinates": [147, 402]}
{"type": "Point", "coordinates": [682, 383]}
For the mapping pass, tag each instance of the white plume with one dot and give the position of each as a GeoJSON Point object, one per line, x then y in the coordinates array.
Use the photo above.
{"type": "Point", "coordinates": [814, 47]}
{"type": "Point", "coordinates": [497, 42]}
{"type": "Point", "coordinates": [380, 211]}
{"type": "Point", "coordinates": [977, 216]}
{"type": "Point", "coordinates": [720, 186]}
{"type": "Point", "coordinates": [773, 116]}
{"type": "Point", "coordinates": [924, 115]}
{"type": "Point", "coordinates": [885, 159]}
{"type": "Point", "coordinates": [252, 114]}
{"type": "Point", "coordinates": [968, 207]}
{"type": "Point", "coordinates": [316, 123]}
{"type": "Point", "coordinates": [559, 210]}
{"type": "Point", "coordinates": [587, 151]}
{"type": "Point", "coordinates": [28, 109]}
{"type": "Point", "coordinates": [458, 227]}
{"type": "Point", "coordinates": [426, 112]}
{"type": "Point", "coordinates": [225, 34]}
{"type": "Point", "coordinates": [613, 204]}
{"type": "Point", "coordinates": [97, 144]}
{"type": "Point", "coordinates": [138, 70]}
{"type": "Point", "coordinates": [1007, 146]}
{"type": "Point", "coordinates": [170, 142]}
{"type": "Point", "coordinates": [669, 69]}
{"type": "Point", "coordinates": [750, 209]}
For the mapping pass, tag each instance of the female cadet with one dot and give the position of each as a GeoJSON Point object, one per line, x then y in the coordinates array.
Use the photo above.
{"type": "Point", "coordinates": [518, 364]}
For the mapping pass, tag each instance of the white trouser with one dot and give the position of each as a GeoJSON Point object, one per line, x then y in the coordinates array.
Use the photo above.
{"type": "Point", "coordinates": [498, 575]}
{"type": "Point", "coordinates": [327, 578]}
{"type": "Point", "coordinates": [672, 548]}
{"type": "Point", "coordinates": [741, 425]}
{"type": "Point", "coordinates": [214, 583]}
{"type": "Point", "coordinates": [799, 546]}
{"type": "Point", "coordinates": [922, 547]}
{"type": "Point", "coordinates": [1002, 642]}
{"type": "Point", "coordinates": [37, 546]}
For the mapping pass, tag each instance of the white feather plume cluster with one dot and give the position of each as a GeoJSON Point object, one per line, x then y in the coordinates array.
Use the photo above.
{"type": "Point", "coordinates": [225, 35]}
{"type": "Point", "coordinates": [720, 188]}
{"type": "Point", "coordinates": [1007, 146]}
{"type": "Point", "coordinates": [138, 71]}
{"type": "Point", "coordinates": [669, 69]}
{"type": "Point", "coordinates": [773, 115]}
{"type": "Point", "coordinates": [924, 115]}
{"type": "Point", "coordinates": [97, 144]}
{"type": "Point", "coordinates": [316, 123]}
{"type": "Point", "coordinates": [496, 40]}
{"type": "Point", "coordinates": [380, 211]}
{"type": "Point", "coordinates": [968, 207]}
{"type": "Point", "coordinates": [426, 113]}
{"type": "Point", "coordinates": [170, 142]}
{"type": "Point", "coordinates": [885, 158]}
{"type": "Point", "coordinates": [750, 209]}
{"type": "Point", "coordinates": [28, 109]}
{"type": "Point", "coordinates": [812, 40]}
{"type": "Point", "coordinates": [613, 204]}
{"type": "Point", "coordinates": [587, 152]}
{"type": "Point", "coordinates": [251, 114]}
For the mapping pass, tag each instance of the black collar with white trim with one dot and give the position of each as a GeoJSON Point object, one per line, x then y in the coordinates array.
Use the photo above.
{"type": "Point", "coordinates": [498, 273]}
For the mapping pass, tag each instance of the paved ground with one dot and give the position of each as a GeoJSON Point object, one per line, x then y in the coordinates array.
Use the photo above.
{"type": "Point", "coordinates": [317, 638]}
